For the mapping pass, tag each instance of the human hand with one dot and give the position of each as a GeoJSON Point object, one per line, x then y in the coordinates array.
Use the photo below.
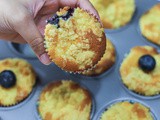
{"type": "Point", "coordinates": [23, 21]}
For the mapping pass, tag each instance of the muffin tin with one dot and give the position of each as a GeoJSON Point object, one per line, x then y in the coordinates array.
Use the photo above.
{"type": "Point", "coordinates": [105, 88]}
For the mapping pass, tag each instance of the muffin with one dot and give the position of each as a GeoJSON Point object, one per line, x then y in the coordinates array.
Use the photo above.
{"type": "Point", "coordinates": [150, 24]}
{"type": "Point", "coordinates": [74, 39]}
{"type": "Point", "coordinates": [64, 100]}
{"type": "Point", "coordinates": [106, 62]}
{"type": "Point", "coordinates": [17, 79]}
{"type": "Point", "coordinates": [140, 70]}
{"type": "Point", "coordinates": [127, 111]}
{"type": "Point", "coordinates": [114, 13]}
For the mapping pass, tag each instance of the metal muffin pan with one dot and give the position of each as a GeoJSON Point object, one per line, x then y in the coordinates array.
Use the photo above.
{"type": "Point", "coordinates": [23, 50]}
{"type": "Point", "coordinates": [105, 88]}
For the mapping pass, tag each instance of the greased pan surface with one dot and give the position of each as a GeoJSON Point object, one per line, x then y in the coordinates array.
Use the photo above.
{"type": "Point", "coordinates": [105, 89]}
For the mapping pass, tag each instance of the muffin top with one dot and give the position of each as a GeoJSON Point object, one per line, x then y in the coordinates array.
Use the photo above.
{"type": "Point", "coordinates": [106, 61]}
{"type": "Point", "coordinates": [64, 100]}
{"type": "Point", "coordinates": [150, 24]}
{"type": "Point", "coordinates": [127, 111]}
{"type": "Point", "coordinates": [74, 39]}
{"type": "Point", "coordinates": [17, 79]}
{"type": "Point", "coordinates": [114, 13]}
{"type": "Point", "coordinates": [140, 70]}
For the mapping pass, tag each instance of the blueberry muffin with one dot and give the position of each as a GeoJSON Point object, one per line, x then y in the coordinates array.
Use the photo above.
{"type": "Point", "coordinates": [106, 62]}
{"type": "Point", "coordinates": [64, 100]}
{"type": "Point", "coordinates": [17, 79]}
{"type": "Point", "coordinates": [74, 39]}
{"type": "Point", "coordinates": [150, 24]}
{"type": "Point", "coordinates": [140, 70]}
{"type": "Point", "coordinates": [127, 111]}
{"type": "Point", "coordinates": [114, 13]}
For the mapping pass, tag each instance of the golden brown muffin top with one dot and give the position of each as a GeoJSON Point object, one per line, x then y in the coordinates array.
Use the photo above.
{"type": "Point", "coordinates": [25, 80]}
{"type": "Point", "coordinates": [75, 44]}
{"type": "Point", "coordinates": [150, 24]}
{"type": "Point", "coordinates": [114, 13]}
{"type": "Point", "coordinates": [146, 83]}
{"type": "Point", "coordinates": [127, 111]}
{"type": "Point", "coordinates": [64, 100]}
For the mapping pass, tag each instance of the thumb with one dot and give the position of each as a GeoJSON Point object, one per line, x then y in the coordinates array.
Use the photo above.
{"type": "Point", "coordinates": [27, 28]}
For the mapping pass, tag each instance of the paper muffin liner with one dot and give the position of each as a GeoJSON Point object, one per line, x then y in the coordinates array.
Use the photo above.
{"type": "Point", "coordinates": [77, 72]}
{"type": "Point", "coordinates": [19, 103]}
{"type": "Point", "coordinates": [123, 27]}
{"type": "Point", "coordinates": [93, 104]}
{"type": "Point", "coordinates": [132, 92]}
{"type": "Point", "coordinates": [131, 100]}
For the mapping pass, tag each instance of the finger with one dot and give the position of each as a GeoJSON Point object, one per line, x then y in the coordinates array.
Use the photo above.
{"type": "Point", "coordinates": [18, 39]}
{"type": "Point", "coordinates": [12, 37]}
{"type": "Point", "coordinates": [71, 3]}
{"type": "Point", "coordinates": [26, 27]}
{"type": "Point", "coordinates": [49, 7]}
{"type": "Point", "coordinates": [86, 4]}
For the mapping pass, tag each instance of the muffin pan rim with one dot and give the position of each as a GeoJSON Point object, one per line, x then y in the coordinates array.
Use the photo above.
{"type": "Point", "coordinates": [13, 50]}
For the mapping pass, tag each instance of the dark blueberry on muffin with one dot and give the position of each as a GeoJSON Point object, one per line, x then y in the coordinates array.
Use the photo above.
{"type": "Point", "coordinates": [147, 63]}
{"type": "Point", "coordinates": [56, 18]}
{"type": "Point", "coordinates": [68, 14]}
{"type": "Point", "coordinates": [7, 79]}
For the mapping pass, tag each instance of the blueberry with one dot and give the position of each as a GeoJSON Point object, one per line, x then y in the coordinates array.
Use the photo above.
{"type": "Point", "coordinates": [7, 79]}
{"type": "Point", "coordinates": [55, 19]}
{"type": "Point", "coordinates": [68, 14]}
{"type": "Point", "coordinates": [132, 102]}
{"type": "Point", "coordinates": [147, 63]}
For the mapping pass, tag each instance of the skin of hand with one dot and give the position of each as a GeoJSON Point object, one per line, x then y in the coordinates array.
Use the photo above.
{"type": "Point", "coordinates": [23, 21]}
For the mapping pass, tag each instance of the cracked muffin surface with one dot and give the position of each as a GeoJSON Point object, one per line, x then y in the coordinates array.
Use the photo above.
{"type": "Point", "coordinates": [64, 100]}
{"type": "Point", "coordinates": [74, 39]}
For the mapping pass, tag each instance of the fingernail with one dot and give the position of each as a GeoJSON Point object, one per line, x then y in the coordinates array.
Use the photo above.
{"type": "Point", "coordinates": [44, 58]}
